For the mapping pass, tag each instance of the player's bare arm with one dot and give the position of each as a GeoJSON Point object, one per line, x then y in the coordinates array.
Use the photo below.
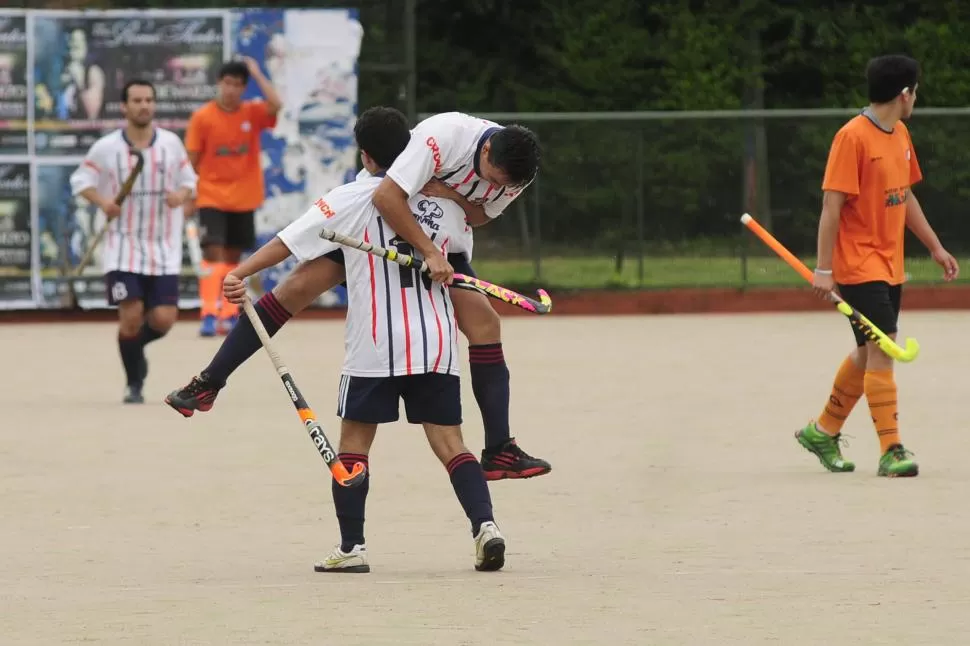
{"type": "Point", "coordinates": [828, 231]}
{"type": "Point", "coordinates": [392, 203]}
{"type": "Point", "coordinates": [269, 255]}
{"type": "Point", "coordinates": [475, 214]}
{"type": "Point", "coordinates": [917, 223]}
{"type": "Point", "coordinates": [272, 98]}
{"type": "Point", "coordinates": [175, 199]}
{"type": "Point", "coordinates": [106, 204]}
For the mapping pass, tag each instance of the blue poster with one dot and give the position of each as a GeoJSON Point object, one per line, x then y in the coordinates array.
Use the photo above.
{"type": "Point", "coordinates": [310, 56]}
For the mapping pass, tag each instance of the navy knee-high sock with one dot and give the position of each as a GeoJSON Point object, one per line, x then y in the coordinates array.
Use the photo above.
{"type": "Point", "coordinates": [147, 334]}
{"type": "Point", "coordinates": [132, 355]}
{"type": "Point", "coordinates": [242, 342]}
{"type": "Point", "coordinates": [349, 504]}
{"type": "Point", "coordinates": [490, 383]}
{"type": "Point", "coordinates": [469, 482]}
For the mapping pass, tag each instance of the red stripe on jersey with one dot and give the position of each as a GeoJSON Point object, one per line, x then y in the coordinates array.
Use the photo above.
{"type": "Point", "coordinates": [470, 174]}
{"type": "Point", "coordinates": [407, 328]}
{"type": "Point", "coordinates": [491, 187]}
{"type": "Point", "coordinates": [131, 226]}
{"type": "Point", "coordinates": [441, 336]}
{"type": "Point", "coordinates": [373, 292]}
{"type": "Point", "coordinates": [91, 164]}
{"type": "Point", "coordinates": [151, 218]}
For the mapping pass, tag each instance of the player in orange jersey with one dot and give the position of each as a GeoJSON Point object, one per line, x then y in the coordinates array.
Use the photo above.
{"type": "Point", "coordinates": [867, 205]}
{"type": "Point", "coordinates": [223, 144]}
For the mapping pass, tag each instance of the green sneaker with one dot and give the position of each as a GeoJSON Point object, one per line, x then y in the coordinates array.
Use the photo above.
{"type": "Point", "coordinates": [825, 447]}
{"type": "Point", "coordinates": [897, 462]}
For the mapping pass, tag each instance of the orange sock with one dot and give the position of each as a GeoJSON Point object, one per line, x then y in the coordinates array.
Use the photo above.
{"type": "Point", "coordinates": [880, 387]}
{"type": "Point", "coordinates": [210, 287]}
{"type": "Point", "coordinates": [228, 310]}
{"type": "Point", "coordinates": [846, 391]}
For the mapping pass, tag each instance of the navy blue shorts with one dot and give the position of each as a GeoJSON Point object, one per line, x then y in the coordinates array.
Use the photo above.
{"type": "Point", "coordinates": [457, 260]}
{"type": "Point", "coordinates": [152, 290]}
{"type": "Point", "coordinates": [429, 398]}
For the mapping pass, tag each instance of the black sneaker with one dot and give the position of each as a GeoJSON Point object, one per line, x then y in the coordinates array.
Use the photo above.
{"type": "Point", "coordinates": [133, 395]}
{"type": "Point", "coordinates": [199, 395]}
{"type": "Point", "coordinates": [509, 461]}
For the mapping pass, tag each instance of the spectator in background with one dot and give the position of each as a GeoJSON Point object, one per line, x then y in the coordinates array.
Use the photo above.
{"type": "Point", "coordinates": [223, 144]}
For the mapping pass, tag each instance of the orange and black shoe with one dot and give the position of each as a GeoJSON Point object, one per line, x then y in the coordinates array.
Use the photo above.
{"type": "Point", "coordinates": [509, 461]}
{"type": "Point", "coordinates": [199, 395]}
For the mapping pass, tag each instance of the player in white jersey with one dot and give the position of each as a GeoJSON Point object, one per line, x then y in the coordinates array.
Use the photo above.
{"type": "Point", "coordinates": [400, 339]}
{"type": "Point", "coordinates": [141, 255]}
{"type": "Point", "coordinates": [483, 167]}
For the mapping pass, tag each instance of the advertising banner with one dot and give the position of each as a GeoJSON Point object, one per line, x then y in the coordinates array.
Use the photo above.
{"type": "Point", "coordinates": [13, 83]}
{"type": "Point", "coordinates": [16, 246]}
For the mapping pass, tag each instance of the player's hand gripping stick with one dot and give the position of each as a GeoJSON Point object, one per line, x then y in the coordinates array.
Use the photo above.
{"type": "Point", "coordinates": [871, 332]}
{"type": "Point", "coordinates": [541, 306]}
{"type": "Point", "coordinates": [315, 430]}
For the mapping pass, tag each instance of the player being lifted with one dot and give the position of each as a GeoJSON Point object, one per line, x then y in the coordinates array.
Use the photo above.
{"type": "Point", "coordinates": [400, 339]}
{"type": "Point", "coordinates": [868, 204]}
{"type": "Point", "coordinates": [142, 250]}
{"type": "Point", "coordinates": [483, 167]}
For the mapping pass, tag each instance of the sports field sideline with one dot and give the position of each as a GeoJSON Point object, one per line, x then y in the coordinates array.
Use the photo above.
{"type": "Point", "coordinates": [680, 510]}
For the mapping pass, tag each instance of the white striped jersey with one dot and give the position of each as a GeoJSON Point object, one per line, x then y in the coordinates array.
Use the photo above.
{"type": "Point", "coordinates": [398, 321]}
{"type": "Point", "coordinates": [446, 146]}
{"type": "Point", "coordinates": [147, 237]}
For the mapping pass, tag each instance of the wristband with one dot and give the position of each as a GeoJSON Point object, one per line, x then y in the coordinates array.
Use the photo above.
{"type": "Point", "coordinates": [824, 272]}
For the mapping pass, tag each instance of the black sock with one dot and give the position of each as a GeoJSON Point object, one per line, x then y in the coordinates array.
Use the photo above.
{"type": "Point", "coordinates": [349, 504]}
{"type": "Point", "coordinates": [147, 334]}
{"type": "Point", "coordinates": [490, 383]}
{"type": "Point", "coordinates": [132, 354]}
{"type": "Point", "coordinates": [242, 342]}
{"type": "Point", "coordinates": [472, 490]}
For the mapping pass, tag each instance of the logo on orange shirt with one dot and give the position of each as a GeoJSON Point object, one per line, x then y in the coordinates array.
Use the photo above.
{"type": "Point", "coordinates": [324, 208]}
{"type": "Point", "coordinates": [896, 197]}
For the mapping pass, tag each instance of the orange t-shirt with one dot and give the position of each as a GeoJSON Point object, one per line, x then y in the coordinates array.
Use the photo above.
{"type": "Point", "coordinates": [230, 176]}
{"type": "Point", "coordinates": [875, 169]}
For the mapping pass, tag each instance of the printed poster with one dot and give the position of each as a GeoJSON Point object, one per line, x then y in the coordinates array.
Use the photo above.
{"type": "Point", "coordinates": [13, 83]}
{"type": "Point", "coordinates": [310, 56]}
{"type": "Point", "coordinates": [82, 60]}
{"type": "Point", "coordinates": [67, 224]}
{"type": "Point", "coordinates": [15, 236]}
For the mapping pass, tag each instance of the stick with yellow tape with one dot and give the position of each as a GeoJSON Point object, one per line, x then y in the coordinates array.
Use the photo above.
{"type": "Point", "coordinates": [871, 332]}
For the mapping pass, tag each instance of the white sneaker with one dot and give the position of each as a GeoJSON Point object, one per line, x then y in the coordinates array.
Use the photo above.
{"type": "Point", "coordinates": [354, 561]}
{"type": "Point", "coordinates": [489, 548]}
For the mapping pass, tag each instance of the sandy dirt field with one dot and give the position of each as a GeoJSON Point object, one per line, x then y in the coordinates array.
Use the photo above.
{"type": "Point", "coordinates": [680, 509]}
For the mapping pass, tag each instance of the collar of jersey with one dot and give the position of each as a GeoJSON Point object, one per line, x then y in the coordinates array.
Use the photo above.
{"type": "Point", "coordinates": [124, 135]}
{"type": "Point", "coordinates": [478, 149]}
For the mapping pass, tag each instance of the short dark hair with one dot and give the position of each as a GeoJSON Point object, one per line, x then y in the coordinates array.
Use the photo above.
{"type": "Point", "coordinates": [515, 150]}
{"type": "Point", "coordinates": [383, 133]}
{"type": "Point", "coordinates": [237, 69]}
{"type": "Point", "coordinates": [132, 83]}
{"type": "Point", "coordinates": [887, 76]}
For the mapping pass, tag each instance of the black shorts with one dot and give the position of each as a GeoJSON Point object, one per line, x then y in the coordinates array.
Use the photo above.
{"type": "Point", "coordinates": [431, 398]}
{"type": "Point", "coordinates": [233, 229]}
{"type": "Point", "coordinates": [878, 301]}
{"type": "Point", "coordinates": [152, 290]}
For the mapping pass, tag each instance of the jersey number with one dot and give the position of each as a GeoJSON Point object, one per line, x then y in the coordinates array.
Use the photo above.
{"type": "Point", "coordinates": [407, 274]}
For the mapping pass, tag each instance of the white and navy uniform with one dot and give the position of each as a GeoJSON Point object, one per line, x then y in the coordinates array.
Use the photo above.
{"type": "Point", "coordinates": [447, 146]}
{"type": "Point", "coordinates": [141, 253]}
{"type": "Point", "coordinates": [401, 334]}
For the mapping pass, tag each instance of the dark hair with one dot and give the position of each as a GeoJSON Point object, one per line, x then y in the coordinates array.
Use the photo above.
{"type": "Point", "coordinates": [383, 133]}
{"type": "Point", "coordinates": [888, 75]}
{"type": "Point", "coordinates": [515, 150]}
{"type": "Point", "coordinates": [237, 69]}
{"type": "Point", "coordinates": [132, 83]}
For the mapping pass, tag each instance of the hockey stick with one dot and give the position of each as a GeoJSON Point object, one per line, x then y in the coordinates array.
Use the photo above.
{"type": "Point", "coordinates": [871, 332]}
{"type": "Point", "coordinates": [541, 306]}
{"type": "Point", "coordinates": [71, 299]}
{"type": "Point", "coordinates": [324, 448]}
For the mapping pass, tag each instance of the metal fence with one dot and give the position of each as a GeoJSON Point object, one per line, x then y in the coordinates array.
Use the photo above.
{"type": "Point", "coordinates": [653, 199]}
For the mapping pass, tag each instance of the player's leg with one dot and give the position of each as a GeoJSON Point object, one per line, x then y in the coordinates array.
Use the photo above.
{"type": "Point", "coordinates": [213, 230]}
{"type": "Point", "coordinates": [481, 325]}
{"type": "Point", "coordinates": [161, 297]}
{"type": "Point", "coordinates": [125, 292]}
{"type": "Point", "coordinates": [434, 401]}
{"type": "Point", "coordinates": [297, 292]}
{"type": "Point", "coordinates": [240, 237]}
{"type": "Point", "coordinates": [362, 404]}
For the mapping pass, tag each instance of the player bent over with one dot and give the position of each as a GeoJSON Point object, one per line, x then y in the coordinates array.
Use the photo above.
{"type": "Point", "coordinates": [867, 206]}
{"type": "Point", "coordinates": [142, 250]}
{"type": "Point", "coordinates": [401, 343]}
{"type": "Point", "coordinates": [482, 167]}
